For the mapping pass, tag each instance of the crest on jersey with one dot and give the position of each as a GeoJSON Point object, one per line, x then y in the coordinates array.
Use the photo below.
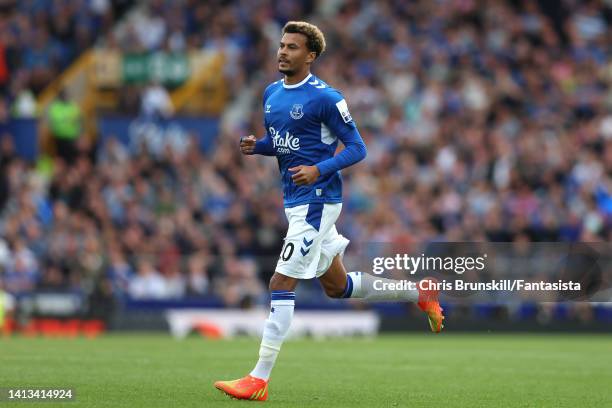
{"type": "Point", "coordinates": [297, 111]}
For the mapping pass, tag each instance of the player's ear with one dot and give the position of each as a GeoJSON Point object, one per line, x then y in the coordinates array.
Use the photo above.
{"type": "Point", "coordinates": [311, 57]}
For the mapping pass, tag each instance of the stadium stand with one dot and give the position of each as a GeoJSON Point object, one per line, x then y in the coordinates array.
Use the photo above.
{"type": "Point", "coordinates": [482, 124]}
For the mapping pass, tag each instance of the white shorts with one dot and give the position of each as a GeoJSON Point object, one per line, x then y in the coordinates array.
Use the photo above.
{"type": "Point", "coordinates": [312, 241]}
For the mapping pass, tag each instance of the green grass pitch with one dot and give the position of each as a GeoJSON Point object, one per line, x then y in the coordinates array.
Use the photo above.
{"type": "Point", "coordinates": [448, 370]}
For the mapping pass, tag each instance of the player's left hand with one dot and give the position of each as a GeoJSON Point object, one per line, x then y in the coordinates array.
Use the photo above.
{"type": "Point", "coordinates": [304, 174]}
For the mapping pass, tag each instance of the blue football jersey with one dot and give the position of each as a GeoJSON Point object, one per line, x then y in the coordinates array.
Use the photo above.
{"type": "Point", "coordinates": [303, 125]}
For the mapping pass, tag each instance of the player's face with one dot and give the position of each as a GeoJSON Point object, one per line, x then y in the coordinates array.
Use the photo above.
{"type": "Point", "coordinates": [293, 54]}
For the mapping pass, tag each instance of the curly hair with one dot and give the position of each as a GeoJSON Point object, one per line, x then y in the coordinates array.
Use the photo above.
{"type": "Point", "coordinates": [315, 40]}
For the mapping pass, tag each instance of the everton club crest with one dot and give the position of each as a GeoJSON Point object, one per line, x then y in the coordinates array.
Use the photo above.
{"type": "Point", "coordinates": [297, 111]}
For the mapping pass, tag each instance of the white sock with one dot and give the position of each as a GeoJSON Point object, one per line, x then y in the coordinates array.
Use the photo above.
{"type": "Point", "coordinates": [360, 285]}
{"type": "Point", "coordinates": [275, 331]}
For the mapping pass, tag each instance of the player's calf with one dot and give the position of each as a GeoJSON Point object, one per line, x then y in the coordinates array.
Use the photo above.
{"type": "Point", "coordinates": [334, 292]}
{"type": "Point", "coordinates": [337, 283]}
{"type": "Point", "coordinates": [334, 280]}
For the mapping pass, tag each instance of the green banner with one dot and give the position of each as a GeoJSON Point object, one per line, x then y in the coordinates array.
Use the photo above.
{"type": "Point", "coordinates": [168, 68]}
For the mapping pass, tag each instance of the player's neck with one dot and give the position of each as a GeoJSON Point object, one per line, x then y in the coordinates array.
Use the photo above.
{"type": "Point", "coordinates": [297, 78]}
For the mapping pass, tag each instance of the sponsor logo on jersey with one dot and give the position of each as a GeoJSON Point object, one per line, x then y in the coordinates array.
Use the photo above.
{"type": "Point", "coordinates": [268, 107]}
{"type": "Point", "coordinates": [344, 111]}
{"type": "Point", "coordinates": [297, 111]}
{"type": "Point", "coordinates": [284, 144]}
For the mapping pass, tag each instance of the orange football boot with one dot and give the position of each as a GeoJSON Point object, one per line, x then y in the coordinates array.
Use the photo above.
{"type": "Point", "coordinates": [246, 388]}
{"type": "Point", "coordinates": [428, 302]}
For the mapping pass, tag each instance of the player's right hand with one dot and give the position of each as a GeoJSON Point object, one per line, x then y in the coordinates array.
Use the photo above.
{"type": "Point", "coordinates": [247, 144]}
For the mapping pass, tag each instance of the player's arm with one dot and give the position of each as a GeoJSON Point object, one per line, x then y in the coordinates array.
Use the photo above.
{"type": "Point", "coordinates": [250, 145]}
{"type": "Point", "coordinates": [354, 151]}
{"type": "Point", "coordinates": [336, 116]}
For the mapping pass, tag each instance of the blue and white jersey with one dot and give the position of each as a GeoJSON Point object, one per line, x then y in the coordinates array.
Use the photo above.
{"type": "Point", "coordinates": [303, 125]}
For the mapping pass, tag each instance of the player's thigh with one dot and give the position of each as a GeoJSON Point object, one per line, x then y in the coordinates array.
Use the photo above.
{"type": "Point", "coordinates": [332, 247]}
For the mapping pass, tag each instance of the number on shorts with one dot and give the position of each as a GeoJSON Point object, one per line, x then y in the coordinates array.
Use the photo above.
{"type": "Point", "coordinates": [288, 247]}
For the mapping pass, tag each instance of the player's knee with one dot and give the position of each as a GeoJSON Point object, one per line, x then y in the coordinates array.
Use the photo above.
{"type": "Point", "coordinates": [282, 282]}
{"type": "Point", "coordinates": [334, 291]}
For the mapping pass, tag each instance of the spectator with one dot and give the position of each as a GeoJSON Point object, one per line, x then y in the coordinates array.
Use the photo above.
{"type": "Point", "coordinates": [20, 277]}
{"type": "Point", "coordinates": [4, 70]}
{"type": "Point", "coordinates": [176, 284]}
{"type": "Point", "coordinates": [65, 123]}
{"type": "Point", "coordinates": [24, 103]}
{"type": "Point", "coordinates": [148, 283]}
{"type": "Point", "coordinates": [150, 27]}
{"type": "Point", "coordinates": [7, 305]}
{"type": "Point", "coordinates": [156, 102]}
{"type": "Point", "coordinates": [198, 282]}
{"type": "Point", "coordinates": [5, 255]}
{"type": "Point", "coordinates": [119, 272]}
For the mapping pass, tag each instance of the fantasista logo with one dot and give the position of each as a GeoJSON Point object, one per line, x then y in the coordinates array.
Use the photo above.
{"type": "Point", "coordinates": [284, 144]}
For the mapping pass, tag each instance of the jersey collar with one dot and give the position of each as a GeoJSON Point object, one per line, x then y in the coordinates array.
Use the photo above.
{"type": "Point", "coordinates": [302, 82]}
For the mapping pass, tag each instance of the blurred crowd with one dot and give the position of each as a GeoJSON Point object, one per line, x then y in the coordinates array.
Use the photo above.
{"type": "Point", "coordinates": [484, 121]}
{"type": "Point", "coordinates": [153, 227]}
{"type": "Point", "coordinates": [40, 38]}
